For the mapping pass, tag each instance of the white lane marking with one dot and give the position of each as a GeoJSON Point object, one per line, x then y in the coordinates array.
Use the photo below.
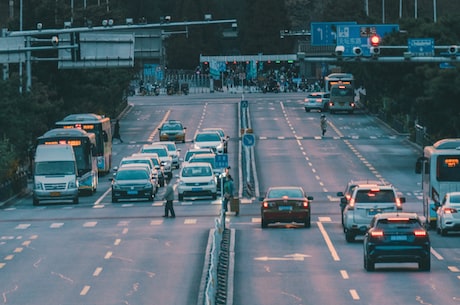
{"type": "Point", "coordinates": [344, 274]}
{"type": "Point", "coordinates": [354, 294]}
{"type": "Point", "coordinates": [329, 244]}
{"type": "Point", "coordinates": [436, 254]}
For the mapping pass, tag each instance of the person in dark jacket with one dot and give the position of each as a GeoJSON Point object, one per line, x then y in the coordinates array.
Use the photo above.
{"type": "Point", "coordinates": [228, 192]}
{"type": "Point", "coordinates": [116, 132]}
{"type": "Point", "coordinates": [169, 197]}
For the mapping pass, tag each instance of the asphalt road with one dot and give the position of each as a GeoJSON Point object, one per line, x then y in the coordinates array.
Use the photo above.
{"type": "Point", "coordinates": [97, 252]}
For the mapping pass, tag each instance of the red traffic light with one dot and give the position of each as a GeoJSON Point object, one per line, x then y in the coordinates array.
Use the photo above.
{"type": "Point", "coordinates": [375, 40]}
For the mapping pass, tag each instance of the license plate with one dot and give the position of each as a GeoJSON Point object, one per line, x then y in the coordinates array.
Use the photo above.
{"type": "Point", "coordinates": [285, 208]}
{"type": "Point", "coordinates": [398, 237]}
{"type": "Point", "coordinates": [55, 194]}
{"type": "Point", "coordinates": [132, 192]}
{"type": "Point", "coordinates": [196, 189]}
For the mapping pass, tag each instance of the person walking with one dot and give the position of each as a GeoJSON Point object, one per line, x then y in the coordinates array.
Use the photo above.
{"type": "Point", "coordinates": [228, 192]}
{"type": "Point", "coordinates": [169, 197]}
{"type": "Point", "coordinates": [323, 124]}
{"type": "Point", "coordinates": [116, 132]}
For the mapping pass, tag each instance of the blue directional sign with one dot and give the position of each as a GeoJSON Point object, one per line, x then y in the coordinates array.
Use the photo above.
{"type": "Point", "coordinates": [421, 46]}
{"type": "Point", "coordinates": [249, 139]}
{"type": "Point", "coordinates": [221, 161]}
{"type": "Point", "coordinates": [324, 33]}
{"type": "Point", "coordinates": [350, 36]}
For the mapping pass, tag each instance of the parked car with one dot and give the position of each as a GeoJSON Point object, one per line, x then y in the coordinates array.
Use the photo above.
{"type": "Point", "coordinates": [285, 204]}
{"type": "Point", "coordinates": [448, 216]}
{"type": "Point", "coordinates": [397, 237]}
{"type": "Point", "coordinates": [196, 180]}
{"type": "Point", "coordinates": [132, 182]}
{"type": "Point", "coordinates": [317, 101]}
{"type": "Point", "coordinates": [172, 130]}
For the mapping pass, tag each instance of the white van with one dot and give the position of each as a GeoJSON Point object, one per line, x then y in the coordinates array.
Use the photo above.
{"type": "Point", "coordinates": [55, 174]}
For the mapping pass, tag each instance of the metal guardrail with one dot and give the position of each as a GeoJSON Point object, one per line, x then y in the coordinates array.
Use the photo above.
{"type": "Point", "coordinates": [13, 186]}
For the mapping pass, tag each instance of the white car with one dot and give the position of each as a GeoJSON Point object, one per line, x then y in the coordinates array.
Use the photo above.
{"type": "Point", "coordinates": [221, 132]}
{"type": "Point", "coordinates": [209, 139]}
{"type": "Point", "coordinates": [173, 151]}
{"type": "Point", "coordinates": [448, 214]}
{"type": "Point", "coordinates": [197, 179]}
{"type": "Point", "coordinates": [162, 152]}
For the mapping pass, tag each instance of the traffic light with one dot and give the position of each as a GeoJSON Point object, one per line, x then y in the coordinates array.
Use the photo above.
{"type": "Point", "coordinates": [374, 40]}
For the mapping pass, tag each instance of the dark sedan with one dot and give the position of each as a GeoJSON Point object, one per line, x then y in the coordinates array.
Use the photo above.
{"type": "Point", "coordinates": [397, 238]}
{"type": "Point", "coordinates": [172, 130]}
{"type": "Point", "coordinates": [132, 183]}
{"type": "Point", "coordinates": [285, 204]}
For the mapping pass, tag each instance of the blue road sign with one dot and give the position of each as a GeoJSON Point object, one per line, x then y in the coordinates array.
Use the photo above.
{"type": "Point", "coordinates": [350, 36]}
{"type": "Point", "coordinates": [221, 161]}
{"type": "Point", "coordinates": [249, 139]}
{"type": "Point", "coordinates": [324, 33]}
{"type": "Point", "coordinates": [421, 46]}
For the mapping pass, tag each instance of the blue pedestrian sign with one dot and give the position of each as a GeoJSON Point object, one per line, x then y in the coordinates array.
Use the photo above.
{"type": "Point", "coordinates": [249, 139]}
{"type": "Point", "coordinates": [421, 46]}
{"type": "Point", "coordinates": [221, 161]}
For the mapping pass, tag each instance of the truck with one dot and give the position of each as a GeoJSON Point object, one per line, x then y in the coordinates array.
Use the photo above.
{"type": "Point", "coordinates": [55, 174]}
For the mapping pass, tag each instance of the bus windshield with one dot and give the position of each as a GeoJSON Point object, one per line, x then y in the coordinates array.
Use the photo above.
{"type": "Point", "coordinates": [448, 168]}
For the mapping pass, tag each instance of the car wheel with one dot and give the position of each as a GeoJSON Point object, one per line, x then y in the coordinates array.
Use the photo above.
{"type": "Point", "coordinates": [425, 265]}
{"type": "Point", "coordinates": [349, 236]}
{"type": "Point", "coordinates": [214, 196]}
{"type": "Point", "coordinates": [369, 265]}
{"type": "Point", "coordinates": [181, 197]}
{"type": "Point", "coordinates": [36, 201]}
{"type": "Point", "coordinates": [114, 200]}
{"type": "Point", "coordinates": [263, 223]}
{"type": "Point", "coordinates": [438, 230]}
{"type": "Point", "coordinates": [75, 200]}
{"type": "Point", "coordinates": [307, 223]}
{"type": "Point", "coordinates": [444, 232]}
{"type": "Point", "coordinates": [307, 110]}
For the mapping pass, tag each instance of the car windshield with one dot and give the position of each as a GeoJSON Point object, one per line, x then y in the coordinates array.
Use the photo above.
{"type": "Point", "coordinates": [295, 193]}
{"type": "Point", "coordinates": [373, 196]}
{"type": "Point", "coordinates": [135, 161]}
{"type": "Point", "coordinates": [55, 168]}
{"type": "Point", "coordinates": [455, 199]}
{"type": "Point", "coordinates": [132, 175]}
{"type": "Point", "coordinates": [196, 171]}
{"type": "Point", "coordinates": [172, 127]}
{"type": "Point", "coordinates": [207, 137]}
{"type": "Point", "coordinates": [171, 146]}
{"type": "Point", "coordinates": [160, 151]}
{"type": "Point", "coordinates": [208, 160]}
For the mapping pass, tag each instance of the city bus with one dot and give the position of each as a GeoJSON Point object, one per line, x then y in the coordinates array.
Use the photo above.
{"type": "Point", "coordinates": [83, 144]}
{"type": "Point", "coordinates": [338, 79]}
{"type": "Point", "coordinates": [440, 170]}
{"type": "Point", "coordinates": [341, 87]}
{"type": "Point", "coordinates": [98, 125]}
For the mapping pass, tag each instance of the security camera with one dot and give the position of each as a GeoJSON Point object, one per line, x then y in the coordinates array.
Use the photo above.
{"type": "Point", "coordinates": [339, 50]}
{"type": "Point", "coordinates": [55, 41]}
{"type": "Point", "coordinates": [375, 50]}
{"type": "Point", "coordinates": [357, 51]}
{"type": "Point", "coordinates": [452, 50]}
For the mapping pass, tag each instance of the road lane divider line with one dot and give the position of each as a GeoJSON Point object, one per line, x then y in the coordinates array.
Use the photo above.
{"type": "Point", "coordinates": [436, 254]}
{"type": "Point", "coordinates": [85, 290]}
{"type": "Point", "coordinates": [344, 274]}
{"type": "Point", "coordinates": [354, 294]}
{"type": "Point", "coordinates": [328, 241]}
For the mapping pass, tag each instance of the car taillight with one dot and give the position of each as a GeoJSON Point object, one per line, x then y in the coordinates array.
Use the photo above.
{"type": "Point", "coordinates": [377, 234]}
{"type": "Point", "coordinates": [352, 104]}
{"type": "Point", "coordinates": [450, 210]}
{"type": "Point", "coordinates": [265, 204]}
{"type": "Point", "coordinates": [420, 233]}
{"type": "Point", "coordinates": [305, 204]}
{"type": "Point", "coordinates": [351, 204]}
{"type": "Point", "coordinates": [398, 204]}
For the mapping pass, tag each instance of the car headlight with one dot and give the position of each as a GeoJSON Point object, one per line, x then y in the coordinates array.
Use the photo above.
{"type": "Point", "coordinates": [181, 182]}
{"type": "Point", "coordinates": [73, 184]}
{"type": "Point", "coordinates": [148, 185]}
{"type": "Point", "coordinates": [38, 186]}
{"type": "Point", "coordinates": [115, 186]}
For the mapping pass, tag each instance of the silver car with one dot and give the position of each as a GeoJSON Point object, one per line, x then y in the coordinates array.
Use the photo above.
{"type": "Point", "coordinates": [448, 214]}
{"type": "Point", "coordinates": [317, 101]}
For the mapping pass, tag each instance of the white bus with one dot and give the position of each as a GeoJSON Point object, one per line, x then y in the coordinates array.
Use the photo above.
{"type": "Point", "coordinates": [440, 169]}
